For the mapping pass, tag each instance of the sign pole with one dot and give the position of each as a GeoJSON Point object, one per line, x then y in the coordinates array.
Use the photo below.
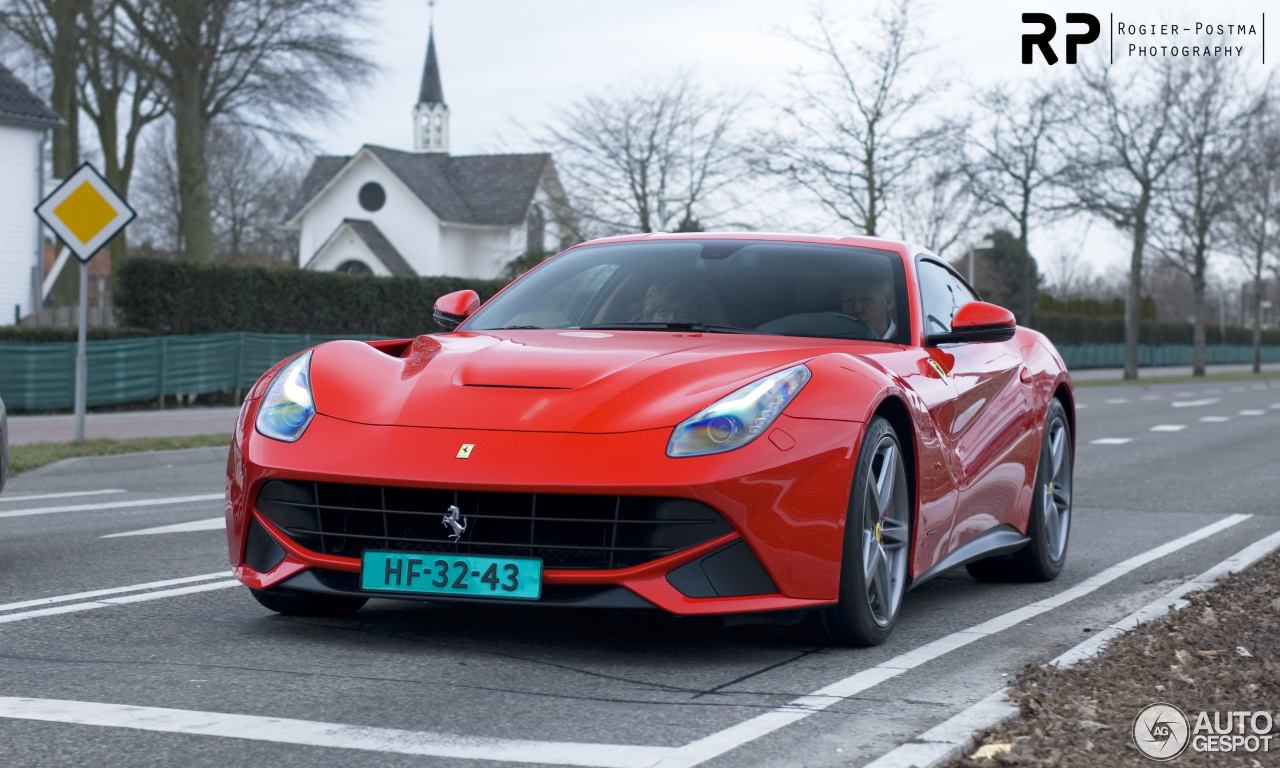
{"type": "Point", "coordinates": [82, 363]}
{"type": "Point", "coordinates": [85, 213]}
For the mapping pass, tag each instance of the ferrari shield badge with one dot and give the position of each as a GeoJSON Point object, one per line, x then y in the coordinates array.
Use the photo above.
{"type": "Point", "coordinates": [465, 451]}
{"type": "Point", "coordinates": [455, 522]}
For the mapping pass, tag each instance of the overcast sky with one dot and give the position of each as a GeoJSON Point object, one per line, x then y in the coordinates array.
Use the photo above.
{"type": "Point", "coordinates": [508, 64]}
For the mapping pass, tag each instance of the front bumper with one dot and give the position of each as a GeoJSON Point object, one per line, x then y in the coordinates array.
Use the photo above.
{"type": "Point", "coordinates": [784, 495]}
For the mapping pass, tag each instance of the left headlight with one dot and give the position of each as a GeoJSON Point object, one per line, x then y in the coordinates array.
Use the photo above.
{"type": "Point", "coordinates": [735, 420]}
{"type": "Point", "coordinates": [288, 406]}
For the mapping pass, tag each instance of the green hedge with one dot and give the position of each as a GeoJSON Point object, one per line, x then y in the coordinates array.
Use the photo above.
{"type": "Point", "coordinates": [1094, 307]}
{"type": "Point", "coordinates": [1083, 329]}
{"type": "Point", "coordinates": [47, 334]}
{"type": "Point", "coordinates": [168, 297]}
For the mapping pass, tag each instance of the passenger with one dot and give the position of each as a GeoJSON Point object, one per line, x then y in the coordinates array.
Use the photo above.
{"type": "Point", "coordinates": [870, 297]}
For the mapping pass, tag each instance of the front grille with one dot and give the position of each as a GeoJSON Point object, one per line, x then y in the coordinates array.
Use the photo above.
{"type": "Point", "coordinates": [564, 530]}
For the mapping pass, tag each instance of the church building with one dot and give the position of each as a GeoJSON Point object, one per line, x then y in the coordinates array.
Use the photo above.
{"type": "Point", "coordinates": [427, 212]}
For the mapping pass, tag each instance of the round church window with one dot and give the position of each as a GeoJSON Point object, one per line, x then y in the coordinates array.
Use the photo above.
{"type": "Point", "coordinates": [372, 196]}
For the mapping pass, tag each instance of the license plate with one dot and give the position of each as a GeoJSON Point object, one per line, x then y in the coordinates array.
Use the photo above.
{"type": "Point", "coordinates": [459, 575]}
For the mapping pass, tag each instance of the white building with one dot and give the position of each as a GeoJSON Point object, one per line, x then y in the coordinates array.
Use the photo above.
{"type": "Point", "coordinates": [24, 122]}
{"type": "Point", "coordinates": [427, 212]}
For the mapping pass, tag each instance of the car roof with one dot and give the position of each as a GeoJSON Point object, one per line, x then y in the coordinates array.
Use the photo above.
{"type": "Point", "coordinates": [899, 246]}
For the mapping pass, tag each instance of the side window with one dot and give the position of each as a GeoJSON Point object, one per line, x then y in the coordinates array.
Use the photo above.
{"type": "Point", "coordinates": [941, 295]}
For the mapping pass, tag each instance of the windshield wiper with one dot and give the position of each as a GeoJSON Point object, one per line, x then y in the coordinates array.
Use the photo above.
{"type": "Point", "coordinates": [522, 328]}
{"type": "Point", "coordinates": [689, 326]}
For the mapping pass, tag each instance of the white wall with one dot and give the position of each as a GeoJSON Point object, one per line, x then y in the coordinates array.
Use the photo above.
{"type": "Point", "coordinates": [405, 221]}
{"type": "Point", "coordinates": [19, 227]}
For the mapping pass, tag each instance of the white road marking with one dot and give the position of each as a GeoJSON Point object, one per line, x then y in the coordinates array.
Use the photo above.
{"type": "Point", "coordinates": [1275, 405]}
{"type": "Point", "coordinates": [1084, 405]}
{"type": "Point", "coordinates": [111, 505]}
{"type": "Point", "coordinates": [1151, 397]}
{"type": "Point", "coordinates": [34, 497]}
{"type": "Point", "coordinates": [212, 524]}
{"type": "Point", "coordinates": [112, 591]}
{"type": "Point", "coordinates": [1215, 419]}
{"type": "Point", "coordinates": [1111, 441]}
{"type": "Point", "coordinates": [761, 725]}
{"type": "Point", "coordinates": [1185, 394]}
{"type": "Point", "coordinates": [1118, 400]}
{"type": "Point", "coordinates": [562, 753]}
{"type": "Point", "coordinates": [956, 736]}
{"type": "Point", "coordinates": [1195, 403]}
{"type": "Point", "coordinates": [1168, 427]}
{"type": "Point", "coordinates": [317, 734]}
{"type": "Point", "coordinates": [126, 600]}
{"type": "Point", "coordinates": [1252, 413]}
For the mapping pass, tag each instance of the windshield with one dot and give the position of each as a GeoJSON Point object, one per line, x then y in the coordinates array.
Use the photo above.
{"type": "Point", "coordinates": [725, 286]}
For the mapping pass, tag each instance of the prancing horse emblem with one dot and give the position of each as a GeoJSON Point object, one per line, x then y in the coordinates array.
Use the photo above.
{"type": "Point", "coordinates": [455, 521]}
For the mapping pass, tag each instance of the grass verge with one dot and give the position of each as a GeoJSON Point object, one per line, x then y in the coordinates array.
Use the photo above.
{"type": "Point", "coordinates": [1235, 376]}
{"type": "Point", "coordinates": [1221, 653]}
{"type": "Point", "coordinates": [27, 457]}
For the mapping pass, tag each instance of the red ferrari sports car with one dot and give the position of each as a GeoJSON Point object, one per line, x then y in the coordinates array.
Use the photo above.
{"type": "Point", "coordinates": [701, 424]}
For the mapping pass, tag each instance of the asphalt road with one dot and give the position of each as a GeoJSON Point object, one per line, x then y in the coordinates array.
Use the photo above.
{"type": "Point", "coordinates": [414, 685]}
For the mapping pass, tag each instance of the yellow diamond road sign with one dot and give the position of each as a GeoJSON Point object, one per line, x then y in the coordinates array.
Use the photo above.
{"type": "Point", "coordinates": [85, 212]}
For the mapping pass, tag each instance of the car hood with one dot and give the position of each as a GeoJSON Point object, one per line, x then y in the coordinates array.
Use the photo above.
{"type": "Point", "coordinates": [547, 381]}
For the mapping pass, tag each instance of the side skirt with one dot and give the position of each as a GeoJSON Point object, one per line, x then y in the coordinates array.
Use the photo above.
{"type": "Point", "coordinates": [1000, 540]}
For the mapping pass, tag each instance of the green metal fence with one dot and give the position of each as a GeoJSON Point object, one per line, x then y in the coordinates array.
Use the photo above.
{"type": "Point", "coordinates": [40, 376]}
{"type": "Point", "coordinates": [1078, 356]}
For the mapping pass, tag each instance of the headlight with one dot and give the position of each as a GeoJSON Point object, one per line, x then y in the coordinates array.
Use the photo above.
{"type": "Point", "coordinates": [288, 407]}
{"type": "Point", "coordinates": [736, 420]}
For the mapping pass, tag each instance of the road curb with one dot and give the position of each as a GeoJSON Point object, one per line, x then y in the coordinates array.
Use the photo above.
{"type": "Point", "coordinates": [119, 462]}
{"type": "Point", "coordinates": [954, 738]}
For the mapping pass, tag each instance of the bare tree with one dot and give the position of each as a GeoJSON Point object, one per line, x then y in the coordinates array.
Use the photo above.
{"type": "Point", "coordinates": [1011, 157]}
{"type": "Point", "coordinates": [641, 158]}
{"type": "Point", "coordinates": [853, 132]}
{"type": "Point", "coordinates": [1121, 151]}
{"type": "Point", "coordinates": [250, 190]}
{"type": "Point", "coordinates": [258, 62]}
{"type": "Point", "coordinates": [51, 30]}
{"type": "Point", "coordinates": [938, 207]}
{"type": "Point", "coordinates": [1254, 221]}
{"type": "Point", "coordinates": [111, 85]}
{"type": "Point", "coordinates": [1206, 176]}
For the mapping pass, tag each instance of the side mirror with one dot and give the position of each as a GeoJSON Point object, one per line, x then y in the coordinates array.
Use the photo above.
{"type": "Point", "coordinates": [977, 321]}
{"type": "Point", "coordinates": [453, 308]}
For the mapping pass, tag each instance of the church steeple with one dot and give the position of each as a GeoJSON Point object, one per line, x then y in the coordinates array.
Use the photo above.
{"type": "Point", "coordinates": [431, 115]}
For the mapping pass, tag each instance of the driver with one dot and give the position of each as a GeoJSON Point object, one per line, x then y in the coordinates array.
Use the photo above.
{"type": "Point", "coordinates": [669, 301]}
{"type": "Point", "coordinates": [869, 297]}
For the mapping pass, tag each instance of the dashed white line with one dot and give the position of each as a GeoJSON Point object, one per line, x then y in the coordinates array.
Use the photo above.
{"type": "Point", "coordinates": [1195, 403]}
{"type": "Point", "coordinates": [1151, 397]}
{"type": "Point", "coordinates": [1083, 405]}
{"type": "Point", "coordinates": [110, 505]}
{"type": "Point", "coordinates": [126, 600]}
{"type": "Point", "coordinates": [1111, 441]}
{"type": "Point", "coordinates": [1118, 400]}
{"type": "Point", "coordinates": [1251, 412]}
{"type": "Point", "coordinates": [67, 495]}
{"type": "Point", "coordinates": [112, 591]}
{"type": "Point", "coordinates": [1275, 405]}
{"type": "Point", "coordinates": [212, 524]}
{"type": "Point", "coordinates": [1168, 427]}
{"type": "Point", "coordinates": [1215, 419]}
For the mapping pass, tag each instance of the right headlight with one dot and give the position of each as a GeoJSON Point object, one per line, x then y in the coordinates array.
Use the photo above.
{"type": "Point", "coordinates": [739, 418]}
{"type": "Point", "coordinates": [288, 406]}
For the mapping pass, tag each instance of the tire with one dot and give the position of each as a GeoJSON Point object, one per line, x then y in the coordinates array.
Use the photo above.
{"type": "Point", "coordinates": [1050, 523]}
{"type": "Point", "coordinates": [877, 532]}
{"type": "Point", "coordinates": [305, 604]}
